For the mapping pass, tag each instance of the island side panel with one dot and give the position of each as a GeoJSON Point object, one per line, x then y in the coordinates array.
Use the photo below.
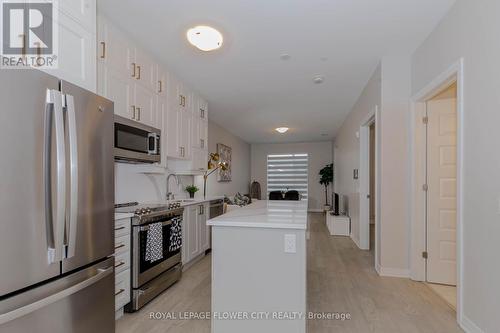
{"type": "Point", "coordinates": [252, 273]}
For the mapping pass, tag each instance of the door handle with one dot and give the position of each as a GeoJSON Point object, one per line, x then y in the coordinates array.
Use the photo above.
{"type": "Point", "coordinates": [103, 54]}
{"type": "Point", "coordinates": [119, 292]}
{"type": "Point", "coordinates": [121, 263]}
{"type": "Point", "coordinates": [73, 158]}
{"type": "Point", "coordinates": [45, 302]}
{"type": "Point", "coordinates": [119, 246]}
{"type": "Point", "coordinates": [58, 212]}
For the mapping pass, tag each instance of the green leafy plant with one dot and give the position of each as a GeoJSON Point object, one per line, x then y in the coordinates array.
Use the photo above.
{"type": "Point", "coordinates": [326, 178]}
{"type": "Point", "coordinates": [191, 189]}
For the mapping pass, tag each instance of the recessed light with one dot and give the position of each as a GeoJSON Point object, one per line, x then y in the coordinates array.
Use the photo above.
{"type": "Point", "coordinates": [282, 130]}
{"type": "Point", "coordinates": [205, 38]}
{"type": "Point", "coordinates": [318, 79]}
{"type": "Point", "coordinates": [285, 56]}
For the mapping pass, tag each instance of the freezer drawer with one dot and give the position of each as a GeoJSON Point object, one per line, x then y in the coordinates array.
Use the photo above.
{"type": "Point", "coordinates": [78, 303]}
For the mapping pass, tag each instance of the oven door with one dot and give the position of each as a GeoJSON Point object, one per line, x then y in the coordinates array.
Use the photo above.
{"type": "Point", "coordinates": [143, 268]}
{"type": "Point", "coordinates": [135, 142]}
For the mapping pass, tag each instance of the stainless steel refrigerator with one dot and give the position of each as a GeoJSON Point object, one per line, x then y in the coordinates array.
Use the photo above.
{"type": "Point", "coordinates": [56, 206]}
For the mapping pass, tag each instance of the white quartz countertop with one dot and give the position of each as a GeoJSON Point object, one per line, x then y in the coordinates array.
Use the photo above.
{"type": "Point", "coordinates": [121, 216]}
{"type": "Point", "coordinates": [266, 214]}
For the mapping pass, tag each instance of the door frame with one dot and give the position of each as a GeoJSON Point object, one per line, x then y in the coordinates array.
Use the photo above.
{"type": "Point", "coordinates": [417, 198]}
{"type": "Point", "coordinates": [364, 183]}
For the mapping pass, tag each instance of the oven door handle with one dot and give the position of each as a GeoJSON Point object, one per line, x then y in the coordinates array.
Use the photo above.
{"type": "Point", "coordinates": [146, 227]}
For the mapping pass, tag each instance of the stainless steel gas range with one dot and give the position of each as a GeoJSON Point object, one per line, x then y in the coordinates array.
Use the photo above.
{"type": "Point", "coordinates": [156, 250]}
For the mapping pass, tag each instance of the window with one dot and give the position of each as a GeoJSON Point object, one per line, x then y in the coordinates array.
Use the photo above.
{"type": "Point", "coordinates": [286, 172]}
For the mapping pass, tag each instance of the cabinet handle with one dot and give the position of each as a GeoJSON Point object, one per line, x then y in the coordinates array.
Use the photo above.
{"type": "Point", "coordinates": [119, 246]}
{"type": "Point", "coordinates": [180, 100]}
{"type": "Point", "coordinates": [138, 72]}
{"type": "Point", "coordinates": [121, 263]}
{"type": "Point", "coordinates": [202, 143]}
{"type": "Point", "coordinates": [119, 228]}
{"type": "Point", "coordinates": [202, 113]}
{"type": "Point", "coordinates": [119, 292]}
{"type": "Point", "coordinates": [133, 112]}
{"type": "Point", "coordinates": [103, 54]}
{"type": "Point", "coordinates": [134, 68]}
{"type": "Point", "coordinates": [160, 89]}
{"type": "Point", "coordinates": [138, 113]}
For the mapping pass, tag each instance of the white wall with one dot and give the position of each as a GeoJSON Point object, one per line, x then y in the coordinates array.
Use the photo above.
{"type": "Point", "coordinates": [347, 148]}
{"type": "Point", "coordinates": [470, 30]}
{"type": "Point", "coordinates": [130, 185]}
{"type": "Point", "coordinates": [394, 172]}
{"type": "Point", "coordinates": [389, 89]}
{"type": "Point", "coordinates": [240, 165]}
{"type": "Point", "coordinates": [320, 154]}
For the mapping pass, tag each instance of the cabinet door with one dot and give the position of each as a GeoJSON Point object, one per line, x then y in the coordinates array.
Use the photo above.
{"type": "Point", "coordinates": [114, 48]}
{"type": "Point", "coordinates": [203, 135]}
{"type": "Point", "coordinates": [185, 134]}
{"type": "Point", "coordinates": [161, 120]}
{"type": "Point", "coordinates": [171, 133]}
{"type": "Point", "coordinates": [192, 232]}
{"type": "Point", "coordinates": [200, 158]}
{"type": "Point", "coordinates": [203, 230]}
{"type": "Point", "coordinates": [145, 72]}
{"type": "Point", "coordinates": [161, 82]}
{"type": "Point", "coordinates": [195, 131]}
{"type": "Point", "coordinates": [76, 61]}
{"type": "Point", "coordinates": [118, 88]}
{"type": "Point", "coordinates": [82, 11]}
{"type": "Point", "coordinates": [145, 102]}
{"type": "Point", "coordinates": [202, 109]}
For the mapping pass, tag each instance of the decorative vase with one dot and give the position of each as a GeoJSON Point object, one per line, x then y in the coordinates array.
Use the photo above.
{"type": "Point", "coordinates": [191, 195]}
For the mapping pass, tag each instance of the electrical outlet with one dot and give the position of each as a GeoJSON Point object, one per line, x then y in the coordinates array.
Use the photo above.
{"type": "Point", "coordinates": [290, 243]}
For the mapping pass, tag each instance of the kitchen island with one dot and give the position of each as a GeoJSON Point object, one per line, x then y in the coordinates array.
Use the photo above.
{"type": "Point", "coordinates": [259, 268]}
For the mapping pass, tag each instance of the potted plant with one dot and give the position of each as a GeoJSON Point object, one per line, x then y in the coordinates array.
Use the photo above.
{"type": "Point", "coordinates": [191, 189]}
{"type": "Point", "coordinates": [326, 178]}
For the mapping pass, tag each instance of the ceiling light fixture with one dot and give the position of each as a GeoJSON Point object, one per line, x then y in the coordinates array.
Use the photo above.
{"type": "Point", "coordinates": [318, 79]}
{"type": "Point", "coordinates": [205, 38]}
{"type": "Point", "coordinates": [282, 130]}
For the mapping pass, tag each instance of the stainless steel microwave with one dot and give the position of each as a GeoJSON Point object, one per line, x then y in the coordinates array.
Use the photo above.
{"type": "Point", "coordinates": [136, 142]}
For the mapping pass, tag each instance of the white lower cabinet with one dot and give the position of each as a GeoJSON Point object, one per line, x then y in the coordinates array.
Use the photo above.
{"type": "Point", "coordinates": [195, 232]}
{"type": "Point", "coordinates": [122, 264]}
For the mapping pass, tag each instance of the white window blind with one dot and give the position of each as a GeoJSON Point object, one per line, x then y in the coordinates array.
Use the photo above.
{"type": "Point", "coordinates": [286, 172]}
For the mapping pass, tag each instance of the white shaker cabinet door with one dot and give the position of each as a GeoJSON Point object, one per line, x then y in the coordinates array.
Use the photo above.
{"type": "Point", "coordinates": [116, 87]}
{"type": "Point", "coordinates": [145, 106]}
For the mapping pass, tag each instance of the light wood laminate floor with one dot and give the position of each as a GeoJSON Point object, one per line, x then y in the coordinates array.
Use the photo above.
{"type": "Point", "coordinates": [341, 278]}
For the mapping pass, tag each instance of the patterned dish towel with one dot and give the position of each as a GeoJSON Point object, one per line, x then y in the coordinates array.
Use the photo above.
{"type": "Point", "coordinates": [154, 242]}
{"type": "Point", "coordinates": [175, 234]}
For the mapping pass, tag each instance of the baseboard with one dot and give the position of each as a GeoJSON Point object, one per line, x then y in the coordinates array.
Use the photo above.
{"type": "Point", "coordinates": [394, 272]}
{"type": "Point", "coordinates": [356, 242]}
{"type": "Point", "coordinates": [468, 326]}
{"type": "Point", "coordinates": [377, 268]}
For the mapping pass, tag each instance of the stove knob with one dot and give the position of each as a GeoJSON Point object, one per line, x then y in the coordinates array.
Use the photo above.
{"type": "Point", "coordinates": [137, 212]}
{"type": "Point", "coordinates": [148, 210]}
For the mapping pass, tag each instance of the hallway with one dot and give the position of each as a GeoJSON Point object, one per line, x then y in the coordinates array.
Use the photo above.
{"type": "Point", "coordinates": [341, 278]}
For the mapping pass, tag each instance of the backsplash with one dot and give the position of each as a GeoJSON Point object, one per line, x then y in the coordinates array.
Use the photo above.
{"type": "Point", "coordinates": [130, 185]}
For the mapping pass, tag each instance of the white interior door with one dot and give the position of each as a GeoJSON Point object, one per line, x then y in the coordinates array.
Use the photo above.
{"type": "Point", "coordinates": [442, 191]}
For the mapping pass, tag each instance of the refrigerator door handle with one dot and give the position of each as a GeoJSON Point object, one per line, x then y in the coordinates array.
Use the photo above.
{"type": "Point", "coordinates": [32, 307]}
{"type": "Point", "coordinates": [73, 158]}
{"type": "Point", "coordinates": [54, 98]}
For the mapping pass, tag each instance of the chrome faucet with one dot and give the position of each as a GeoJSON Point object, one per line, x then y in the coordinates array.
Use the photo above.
{"type": "Point", "coordinates": [170, 195]}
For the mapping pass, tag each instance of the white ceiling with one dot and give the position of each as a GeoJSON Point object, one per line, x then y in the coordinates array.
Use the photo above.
{"type": "Point", "coordinates": [250, 89]}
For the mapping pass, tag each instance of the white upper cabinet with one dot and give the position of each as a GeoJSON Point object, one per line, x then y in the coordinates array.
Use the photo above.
{"type": "Point", "coordinates": [76, 43]}
{"type": "Point", "coordinates": [144, 91]}
{"type": "Point", "coordinates": [82, 11]}
{"type": "Point", "coordinates": [144, 103]}
{"type": "Point", "coordinates": [144, 70]}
